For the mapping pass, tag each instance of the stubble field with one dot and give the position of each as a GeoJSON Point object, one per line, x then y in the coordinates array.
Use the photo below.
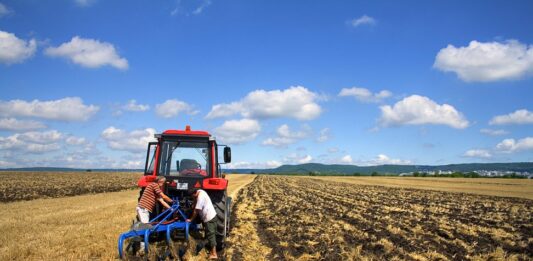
{"type": "Point", "coordinates": [300, 218]}
{"type": "Point", "coordinates": [84, 227]}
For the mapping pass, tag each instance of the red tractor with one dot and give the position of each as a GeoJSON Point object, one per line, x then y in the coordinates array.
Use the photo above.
{"type": "Point", "coordinates": [189, 159]}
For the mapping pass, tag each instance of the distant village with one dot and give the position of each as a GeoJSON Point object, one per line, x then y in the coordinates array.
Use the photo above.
{"type": "Point", "coordinates": [481, 173]}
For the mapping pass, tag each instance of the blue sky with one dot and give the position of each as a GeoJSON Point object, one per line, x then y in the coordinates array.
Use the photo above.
{"type": "Point", "coordinates": [86, 83]}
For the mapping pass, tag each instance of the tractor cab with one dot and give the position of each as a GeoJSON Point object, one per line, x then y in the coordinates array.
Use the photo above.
{"type": "Point", "coordinates": [188, 159]}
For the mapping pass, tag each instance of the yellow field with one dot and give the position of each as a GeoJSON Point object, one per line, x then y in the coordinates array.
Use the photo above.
{"type": "Point", "coordinates": [72, 228]}
{"type": "Point", "coordinates": [303, 218]}
{"type": "Point", "coordinates": [521, 188]}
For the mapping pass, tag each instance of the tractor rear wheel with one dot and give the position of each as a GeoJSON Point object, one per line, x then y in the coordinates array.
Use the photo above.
{"type": "Point", "coordinates": [222, 206]}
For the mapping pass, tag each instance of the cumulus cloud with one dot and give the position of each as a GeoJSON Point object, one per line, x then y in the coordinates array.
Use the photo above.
{"type": "Point", "coordinates": [364, 95]}
{"type": "Point", "coordinates": [89, 53]}
{"type": "Point", "coordinates": [133, 106]}
{"type": "Point", "coordinates": [133, 141]}
{"type": "Point", "coordinates": [237, 131]}
{"type": "Point", "coordinates": [363, 20]}
{"type": "Point", "coordinates": [32, 142]}
{"type": "Point", "coordinates": [486, 62]}
{"type": "Point", "coordinates": [518, 117]}
{"type": "Point", "coordinates": [254, 165]}
{"type": "Point", "coordinates": [66, 109]}
{"type": "Point", "coordinates": [305, 159]}
{"type": "Point", "coordinates": [477, 153]}
{"type": "Point", "coordinates": [285, 136]}
{"type": "Point", "coordinates": [295, 102]}
{"type": "Point", "coordinates": [347, 159]}
{"type": "Point", "coordinates": [171, 108]}
{"type": "Point", "coordinates": [492, 132]}
{"type": "Point", "coordinates": [417, 110]}
{"type": "Point", "coordinates": [13, 124]}
{"type": "Point", "coordinates": [73, 140]}
{"type": "Point", "coordinates": [294, 158]}
{"type": "Point", "coordinates": [15, 50]}
{"type": "Point", "coordinates": [512, 145]}
{"type": "Point", "coordinates": [4, 10]}
{"type": "Point", "coordinates": [323, 135]}
{"type": "Point", "coordinates": [382, 159]}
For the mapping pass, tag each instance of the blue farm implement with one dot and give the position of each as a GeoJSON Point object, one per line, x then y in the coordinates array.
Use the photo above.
{"type": "Point", "coordinates": [168, 224]}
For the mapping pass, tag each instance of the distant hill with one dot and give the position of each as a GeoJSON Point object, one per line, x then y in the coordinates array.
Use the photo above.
{"type": "Point", "coordinates": [319, 168]}
{"type": "Point", "coordinates": [54, 169]}
{"type": "Point", "coordinates": [392, 169]}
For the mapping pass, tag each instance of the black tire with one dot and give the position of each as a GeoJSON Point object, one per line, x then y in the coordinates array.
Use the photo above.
{"type": "Point", "coordinates": [228, 219]}
{"type": "Point", "coordinates": [220, 202]}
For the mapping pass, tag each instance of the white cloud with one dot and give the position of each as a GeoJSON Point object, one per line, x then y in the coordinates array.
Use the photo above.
{"type": "Point", "coordinates": [15, 50]}
{"type": "Point", "coordinates": [4, 10]}
{"type": "Point", "coordinates": [477, 153]}
{"type": "Point", "coordinates": [492, 132]}
{"type": "Point", "coordinates": [85, 3]}
{"type": "Point", "coordinates": [294, 158]}
{"type": "Point", "coordinates": [187, 10]}
{"type": "Point", "coordinates": [347, 159]}
{"type": "Point", "coordinates": [512, 145]}
{"type": "Point", "coordinates": [382, 159]}
{"type": "Point", "coordinates": [486, 62]}
{"type": "Point", "coordinates": [417, 110]}
{"type": "Point", "coordinates": [133, 106]}
{"type": "Point", "coordinates": [363, 20]}
{"type": "Point", "coordinates": [72, 140]}
{"type": "Point", "coordinates": [305, 159]}
{"type": "Point", "coordinates": [224, 110]}
{"type": "Point", "coordinates": [295, 102]}
{"type": "Point", "coordinates": [171, 108]}
{"type": "Point", "coordinates": [13, 124]}
{"type": "Point", "coordinates": [324, 135]}
{"type": "Point", "coordinates": [365, 95]}
{"type": "Point", "coordinates": [7, 164]}
{"type": "Point", "coordinates": [32, 142]}
{"type": "Point", "coordinates": [200, 9]}
{"type": "Point", "coordinates": [134, 141]}
{"type": "Point", "coordinates": [40, 137]}
{"type": "Point", "coordinates": [254, 165]}
{"type": "Point", "coordinates": [237, 131]}
{"type": "Point", "coordinates": [89, 53]}
{"type": "Point", "coordinates": [518, 117]}
{"type": "Point", "coordinates": [66, 109]}
{"type": "Point", "coordinates": [285, 136]}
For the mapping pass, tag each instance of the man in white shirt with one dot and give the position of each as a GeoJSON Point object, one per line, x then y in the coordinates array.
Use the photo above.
{"type": "Point", "coordinates": [203, 207]}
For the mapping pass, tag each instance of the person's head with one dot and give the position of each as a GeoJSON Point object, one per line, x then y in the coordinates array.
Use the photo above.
{"type": "Point", "coordinates": [160, 180]}
{"type": "Point", "coordinates": [193, 192]}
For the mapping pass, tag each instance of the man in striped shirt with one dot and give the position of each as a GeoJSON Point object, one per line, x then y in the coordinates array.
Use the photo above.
{"type": "Point", "coordinates": [146, 205]}
{"type": "Point", "coordinates": [151, 193]}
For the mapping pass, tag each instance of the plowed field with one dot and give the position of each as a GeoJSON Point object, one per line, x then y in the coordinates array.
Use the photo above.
{"type": "Point", "coordinates": [15, 186]}
{"type": "Point", "coordinates": [278, 218]}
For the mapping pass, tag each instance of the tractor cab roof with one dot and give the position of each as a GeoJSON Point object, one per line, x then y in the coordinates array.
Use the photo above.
{"type": "Point", "coordinates": [187, 133]}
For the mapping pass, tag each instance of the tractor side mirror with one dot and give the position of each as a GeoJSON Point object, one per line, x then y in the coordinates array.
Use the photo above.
{"type": "Point", "coordinates": [227, 154]}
